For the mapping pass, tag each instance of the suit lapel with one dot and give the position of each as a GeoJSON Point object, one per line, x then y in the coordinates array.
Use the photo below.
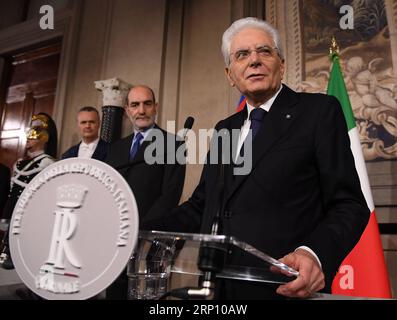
{"type": "Point", "coordinates": [126, 146]}
{"type": "Point", "coordinates": [141, 151]}
{"type": "Point", "coordinates": [274, 126]}
{"type": "Point", "coordinates": [236, 124]}
{"type": "Point", "coordinates": [75, 150]}
{"type": "Point", "coordinates": [97, 150]}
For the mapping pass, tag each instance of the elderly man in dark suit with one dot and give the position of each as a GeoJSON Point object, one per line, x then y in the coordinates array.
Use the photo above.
{"type": "Point", "coordinates": [91, 145]}
{"type": "Point", "coordinates": [302, 200]}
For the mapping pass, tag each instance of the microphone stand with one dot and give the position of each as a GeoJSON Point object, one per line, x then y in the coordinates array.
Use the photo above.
{"type": "Point", "coordinates": [212, 256]}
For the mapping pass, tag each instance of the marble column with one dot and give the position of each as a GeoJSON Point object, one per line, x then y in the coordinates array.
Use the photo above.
{"type": "Point", "coordinates": [114, 95]}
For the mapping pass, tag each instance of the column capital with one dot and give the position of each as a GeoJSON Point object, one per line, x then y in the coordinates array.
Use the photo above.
{"type": "Point", "coordinates": [114, 91]}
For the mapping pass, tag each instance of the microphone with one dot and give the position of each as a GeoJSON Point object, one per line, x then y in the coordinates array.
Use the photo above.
{"type": "Point", "coordinates": [187, 126]}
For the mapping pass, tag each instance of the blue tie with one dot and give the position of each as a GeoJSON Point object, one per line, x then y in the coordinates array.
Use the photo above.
{"type": "Point", "coordinates": [135, 145]}
{"type": "Point", "coordinates": [256, 117]}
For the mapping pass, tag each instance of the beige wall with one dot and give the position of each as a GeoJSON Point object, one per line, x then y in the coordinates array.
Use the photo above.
{"type": "Point", "coordinates": [172, 46]}
{"type": "Point", "coordinates": [86, 68]}
{"type": "Point", "coordinates": [203, 90]}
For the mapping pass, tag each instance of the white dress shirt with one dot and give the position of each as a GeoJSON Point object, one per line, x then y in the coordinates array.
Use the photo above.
{"type": "Point", "coordinates": [247, 123]}
{"type": "Point", "coordinates": [86, 150]}
{"type": "Point", "coordinates": [143, 133]}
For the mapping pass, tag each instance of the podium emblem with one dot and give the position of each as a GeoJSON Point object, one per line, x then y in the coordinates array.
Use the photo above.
{"type": "Point", "coordinates": [73, 229]}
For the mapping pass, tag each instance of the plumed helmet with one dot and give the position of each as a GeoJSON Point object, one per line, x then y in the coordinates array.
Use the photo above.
{"type": "Point", "coordinates": [42, 127]}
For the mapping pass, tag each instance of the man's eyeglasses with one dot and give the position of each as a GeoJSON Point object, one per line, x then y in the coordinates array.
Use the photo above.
{"type": "Point", "coordinates": [265, 52]}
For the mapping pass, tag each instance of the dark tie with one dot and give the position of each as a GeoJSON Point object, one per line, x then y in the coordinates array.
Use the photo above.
{"type": "Point", "coordinates": [135, 145]}
{"type": "Point", "coordinates": [256, 117]}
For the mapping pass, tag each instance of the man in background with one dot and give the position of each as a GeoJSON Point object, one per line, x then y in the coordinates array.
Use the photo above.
{"type": "Point", "coordinates": [90, 146]}
{"type": "Point", "coordinates": [157, 187]}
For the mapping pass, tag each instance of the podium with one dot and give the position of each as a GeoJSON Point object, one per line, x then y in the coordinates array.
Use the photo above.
{"type": "Point", "coordinates": [158, 255]}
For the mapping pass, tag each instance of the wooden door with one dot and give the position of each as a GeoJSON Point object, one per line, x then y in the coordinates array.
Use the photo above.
{"type": "Point", "coordinates": [30, 89]}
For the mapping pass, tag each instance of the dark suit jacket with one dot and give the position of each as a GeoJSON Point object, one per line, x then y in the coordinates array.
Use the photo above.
{"type": "Point", "coordinates": [156, 187]}
{"type": "Point", "coordinates": [303, 188]}
{"type": "Point", "coordinates": [99, 153]}
{"type": "Point", "coordinates": [5, 177]}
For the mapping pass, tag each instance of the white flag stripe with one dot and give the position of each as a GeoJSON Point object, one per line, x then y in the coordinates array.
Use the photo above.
{"type": "Point", "coordinates": [361, 168]}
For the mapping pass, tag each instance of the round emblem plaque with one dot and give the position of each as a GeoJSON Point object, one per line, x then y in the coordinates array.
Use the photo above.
{"type": "Point", "coordinates": [73, 229]}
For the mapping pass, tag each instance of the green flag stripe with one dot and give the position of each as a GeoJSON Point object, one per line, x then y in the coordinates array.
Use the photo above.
{"type": "Point", "coordinates": [337, 88]}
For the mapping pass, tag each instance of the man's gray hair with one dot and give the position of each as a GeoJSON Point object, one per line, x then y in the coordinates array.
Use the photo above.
{"type": "Point", "coordinates": [244, 23]}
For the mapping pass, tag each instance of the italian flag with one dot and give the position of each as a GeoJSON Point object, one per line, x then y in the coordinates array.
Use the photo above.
{"type": "Point", "coordinates": [363, 273]}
